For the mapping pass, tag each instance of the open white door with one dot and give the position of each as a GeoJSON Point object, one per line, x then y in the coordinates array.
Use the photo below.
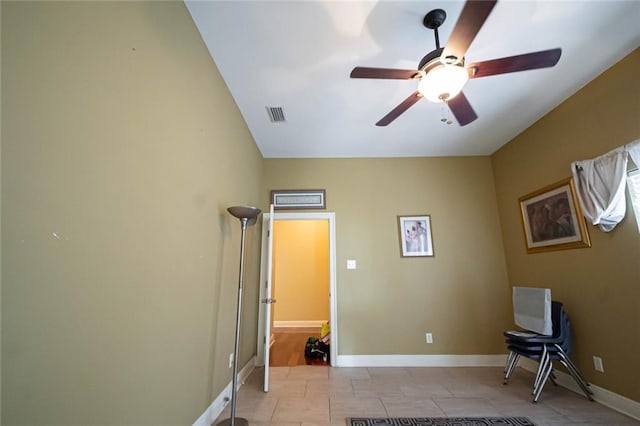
{"type": "Point", "coordinates": [268, 301]}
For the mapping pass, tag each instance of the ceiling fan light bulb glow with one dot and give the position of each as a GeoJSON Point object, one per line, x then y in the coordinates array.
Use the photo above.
{"type": "Point", "coordinates": [443, 82]}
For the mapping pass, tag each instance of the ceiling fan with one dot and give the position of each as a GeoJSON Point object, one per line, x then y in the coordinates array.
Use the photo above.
{"type": "Point", "coordinates": [442, 73]}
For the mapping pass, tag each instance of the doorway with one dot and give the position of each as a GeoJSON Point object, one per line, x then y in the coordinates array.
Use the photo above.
{"type": "Point", "coordinates": [300, 284]}
{"type": "Point", "coordinates": [303, 285]}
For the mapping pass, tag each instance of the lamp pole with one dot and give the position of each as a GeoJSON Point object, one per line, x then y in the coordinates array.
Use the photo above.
{"type": "Point", "coordinates": [248, 216]}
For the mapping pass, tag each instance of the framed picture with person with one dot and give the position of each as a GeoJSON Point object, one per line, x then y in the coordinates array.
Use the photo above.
{"type": "Point", "coordinates": [552, 219]}
{"type": "Point", "coordinates": [415, 236]}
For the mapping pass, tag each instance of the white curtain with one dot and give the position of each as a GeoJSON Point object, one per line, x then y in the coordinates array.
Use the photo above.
{"type": "Point", "coordinates": [634, 151]}
{"type": "Point", "coordinates": [600, 184]}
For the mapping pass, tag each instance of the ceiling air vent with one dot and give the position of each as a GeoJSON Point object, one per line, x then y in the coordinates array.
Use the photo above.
{"type": "Point", "coordinates": [276, 114]}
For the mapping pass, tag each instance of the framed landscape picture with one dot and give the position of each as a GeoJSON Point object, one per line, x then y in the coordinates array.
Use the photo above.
{"type": "Point", "coordinates": [552, 219]}
{"type": "Point", "coordinates": [415, 236]}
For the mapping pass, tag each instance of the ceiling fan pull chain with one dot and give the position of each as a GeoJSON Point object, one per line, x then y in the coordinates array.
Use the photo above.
{"type": "Point", "coordinates": [444, 110]}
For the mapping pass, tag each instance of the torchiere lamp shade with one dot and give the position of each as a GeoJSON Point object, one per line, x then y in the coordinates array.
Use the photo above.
{"type": "Point", "coordinates": [245, 212]}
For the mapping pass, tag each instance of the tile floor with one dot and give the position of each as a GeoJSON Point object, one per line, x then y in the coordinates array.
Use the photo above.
{"type": "Point", "coordinates": [318, 395]}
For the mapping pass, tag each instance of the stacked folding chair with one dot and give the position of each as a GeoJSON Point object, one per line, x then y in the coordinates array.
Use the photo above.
{"type": "Point", "coordinates": [545, 349]}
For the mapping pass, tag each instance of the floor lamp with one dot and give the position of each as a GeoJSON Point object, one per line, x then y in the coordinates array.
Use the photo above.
{"type": "Point", "coordinates": [248, 216]}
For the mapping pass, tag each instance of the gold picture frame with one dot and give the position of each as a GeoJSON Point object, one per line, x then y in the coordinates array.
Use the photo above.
{"type": "Point", "coordinates": [552, 219]}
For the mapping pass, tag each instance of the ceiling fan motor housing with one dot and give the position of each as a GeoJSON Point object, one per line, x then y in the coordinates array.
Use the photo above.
{"type": "Point", "coordinates": [430, 60]}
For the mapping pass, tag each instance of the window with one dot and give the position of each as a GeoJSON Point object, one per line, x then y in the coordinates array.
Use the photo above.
{"type": "Point", "coordinates": [633, 183]}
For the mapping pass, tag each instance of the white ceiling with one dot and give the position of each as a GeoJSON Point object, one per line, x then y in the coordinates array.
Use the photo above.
{"type": "Point", "coordinates": [298, 55]}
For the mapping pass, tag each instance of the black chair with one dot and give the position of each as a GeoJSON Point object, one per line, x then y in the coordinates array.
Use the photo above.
{"type": "Point", "coordinates": [545, 350]}
{"type": "Point", "coordinates": [528, 338]}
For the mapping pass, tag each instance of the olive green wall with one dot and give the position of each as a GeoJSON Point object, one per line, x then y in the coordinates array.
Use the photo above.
{"type": "Point", "coordinates": [461, 295]}
{"type": "Point", "coordinates": [599, 285]}
{"type": "Point", "coordinates": [122, 148]}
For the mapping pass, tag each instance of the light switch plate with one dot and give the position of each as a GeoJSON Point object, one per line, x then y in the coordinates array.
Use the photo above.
{"type": "Point", "coordinates": [351, 264]}
{"type": "Point", "coordinates": [597, 364]}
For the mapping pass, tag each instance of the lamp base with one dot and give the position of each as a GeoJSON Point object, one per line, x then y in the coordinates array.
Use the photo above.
{"type": "Point", "coordinates": [239, 421]}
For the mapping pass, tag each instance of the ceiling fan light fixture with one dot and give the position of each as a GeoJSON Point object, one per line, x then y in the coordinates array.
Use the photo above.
{"type": "Point", "coordinates": [443, 82]}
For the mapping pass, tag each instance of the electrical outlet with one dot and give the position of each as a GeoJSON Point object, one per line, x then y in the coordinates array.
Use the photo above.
{"type": "Point", "coordinates": [597, 364]}
{"type": "Point", "coordinates": [429, 338]}
{"type": "Point", "coordinates": [231, 360]}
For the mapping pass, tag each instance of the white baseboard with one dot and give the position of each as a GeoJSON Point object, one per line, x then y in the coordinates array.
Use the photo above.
{"type": "Point", "coordinates": [311, 323]}
{"type": "Point", "coordinates": [421, 360]}
{"type": "Point", "coordinates": [221, 401]}
{"type": "Point", "coordinates": [612, 400]}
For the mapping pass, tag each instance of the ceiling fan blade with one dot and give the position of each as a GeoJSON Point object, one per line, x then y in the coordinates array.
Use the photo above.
{"type": "Point", "coordinates": [528, 61]}
{"type": "Point", "coordinates": [404, 105]}
{"type": "Point", "coordinates": [388, 73]}
{"type": "Point", "coordinates": [462, 109]}
{"type": "Point", "coordinates": [473, 15]}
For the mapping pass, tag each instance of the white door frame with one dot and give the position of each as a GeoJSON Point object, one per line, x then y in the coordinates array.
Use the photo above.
{"type": "Point", "coordinates": [333, 301]}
